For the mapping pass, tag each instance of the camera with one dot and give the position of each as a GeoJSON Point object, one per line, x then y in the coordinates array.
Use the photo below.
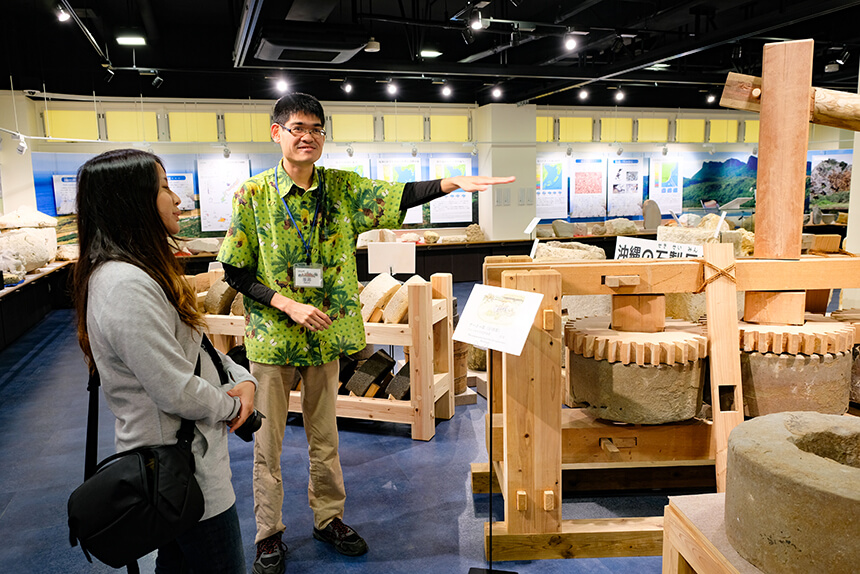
{"type": "Point", "coordinates": [250, 426]}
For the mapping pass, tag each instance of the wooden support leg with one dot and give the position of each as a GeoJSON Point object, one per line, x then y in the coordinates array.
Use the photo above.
{"type": "Point", "coordinates": [532, 413]}
{"type": "Point", "coordinates": [422, 394]}
{"type": "Point", "coordinates": [726, 393]}
{"type": "Point", "coordinates": [443, 345]}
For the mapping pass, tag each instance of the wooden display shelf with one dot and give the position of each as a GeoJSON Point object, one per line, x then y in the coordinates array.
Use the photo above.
{"type": "Point", "coordinates": [694, 538]}
{"type": "Point", "coordinates": [431, 366]}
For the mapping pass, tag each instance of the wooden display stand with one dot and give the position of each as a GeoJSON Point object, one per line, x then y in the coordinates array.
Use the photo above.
{"type": "Point", "coordinates": [431, 364]}
{"type": "Point", "coordinates": [694, 538]}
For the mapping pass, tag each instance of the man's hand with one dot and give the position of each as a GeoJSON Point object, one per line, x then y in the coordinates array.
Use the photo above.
{"type": "Point", "coordinates": [245, 391]}
{"type": "Point", "coordinates": [472, 183]}
{"type": "Point", "coordinates": [307, 316]}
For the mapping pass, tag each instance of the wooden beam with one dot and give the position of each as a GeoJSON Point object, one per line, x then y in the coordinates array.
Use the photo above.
{"type": "Point", "coordinates": [783, 145]}
{"type": "Point", "coordinates": [830, 107]}
{"type": "Point", "coordinates": [775, 307]}
{"type": "Point", "coordinates": [685, 275]}
{"type": "Point", "coordinates": [725, 359]}
{"type": "Point", "coordinates": [640, 313]}
{"type": "Point", "coordinates": [597, 538]}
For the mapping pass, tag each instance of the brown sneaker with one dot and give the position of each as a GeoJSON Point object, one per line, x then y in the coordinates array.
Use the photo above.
{"type": "Point", "coordinates": [270, 555]}
{"type": "Point", "coordinates": [344, 539]}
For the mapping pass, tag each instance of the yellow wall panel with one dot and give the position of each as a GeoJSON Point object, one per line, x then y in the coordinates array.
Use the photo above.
{"type": "Point", "coordinates": [403, 128]}
{"type": "Point", "coordinates": [449, 128]}
{"type": "Point", "coordinates": [131, 126]}
{"type": "Point", "coordinates": [544, 129]}
{"type": "Point", "coordinates": [751, 131]}
{"type": "Point", "coordinates": [616, 129]}
{"type": "Point", "coordinates": [71, 124]}
{"type": "Point", "coordinates": [575, 129]}
{"type": "Point", "coordinates": [724, 131]}
{"type": "Point", "coordinates": [689, 130]}
{"type": "Point", "coordinates": [351, 128]}
{"type": "Point", "coordinates": [653, 129]}
{"type": "Point", "coordinates": [239, 127]}
{"type": "Point", "coordinates": [193, 126]}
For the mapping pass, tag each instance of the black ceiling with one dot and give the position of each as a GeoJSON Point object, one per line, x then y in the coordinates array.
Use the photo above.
{"type": "Point", "coordinates": [238, 48]}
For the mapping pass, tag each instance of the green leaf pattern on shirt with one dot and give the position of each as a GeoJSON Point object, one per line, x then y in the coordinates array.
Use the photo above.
{"type": "Point", "coordinates": [261, 237]}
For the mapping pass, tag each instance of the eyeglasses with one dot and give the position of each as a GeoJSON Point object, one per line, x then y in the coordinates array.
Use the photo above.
{"type": "Point", "coordinates": [299, 131]}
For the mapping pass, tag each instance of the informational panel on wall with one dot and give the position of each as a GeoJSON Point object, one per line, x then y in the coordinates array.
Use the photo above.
{"type": "Point", "coordinates": [625, 187]}
{"type": "Point", "coordinates": [219, 178]}
{"type": "Point", "coordinates": [551, 188]}
{"type": "Point", "coordinates": [65, 189]}
{"type": "Point", "coordinates": [182, 184]}
{"type": "Point", "coordinates": [456, 207]}
{"type": "Point", "coordinates": [588, 188]}
{"type": "Point", "coordinates": [402, 170]}
{"type": "Point", "coordinates": [666, 185]}
{"type": "Point", "coordinates": [361, 166]}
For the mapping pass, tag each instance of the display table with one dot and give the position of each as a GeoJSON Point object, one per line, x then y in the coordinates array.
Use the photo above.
{"type": "Point", "coordinates": [25, 304]}
{"type": "Point", "coordinates": [694, 538]}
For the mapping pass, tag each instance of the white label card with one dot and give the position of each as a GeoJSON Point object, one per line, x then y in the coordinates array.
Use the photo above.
{"type": "Point", "coordinates": [498, 319]}
{"type": "Point", "coordinates": [308, 276]}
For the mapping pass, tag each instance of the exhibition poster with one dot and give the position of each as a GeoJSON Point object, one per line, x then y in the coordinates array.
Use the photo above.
{"type": "Point", "coordinates": [551, 189]}
{"type": "Point", "coordinates": [588, 188]}
{"type": "Point", "coordinates": [182, 184]}
{"type": "Point", "coordinates": [402, 170]}
{"type": "Point", "coordinates": [219, 178]}
{"type": "Point", "coordinates": [65, 191]}
{"type": "Point", "coordinates": [625, 187]}
{"type": "Point", "coordinates": [353, 164]}
{"type": "Point", "coordinates": [665, 185]}
{"type": "Point", "coordinates": [455, 207]}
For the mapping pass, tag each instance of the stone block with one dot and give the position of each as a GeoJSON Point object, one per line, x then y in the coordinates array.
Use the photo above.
{"type": "Point", "coordinates": [579, 306]}
{"type": "Point", "coordinates": [648, 394]}
{"type": "Point", "coordinates": [562, 228]}
{"type": "Point", "coordinates": [779, 383]}
{"type": "Point", "coordinates": [474, 234]}
{"type": "Point", "coordinates": [557, 250]}
{"type": "Point", "coordinates": [792, 496]}
{"type": "Point", "coordinates": [372, 372]}
{"type": "Point", "coordinates": [219, 298]}
{"type": "Point", "coordinates": [544, 232]}
{"type": "Point", "coordinates": [621, 226]}
{"type": "Point", "coordinates": [431, 237]}
{"type": "Point", "coordinates": [651, 215]}
{"type": "Point", "coordinates": [399, 386]}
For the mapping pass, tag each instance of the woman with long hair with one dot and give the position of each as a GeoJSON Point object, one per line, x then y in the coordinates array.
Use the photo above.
{"type": "Point", "coordinates": [138, 324]}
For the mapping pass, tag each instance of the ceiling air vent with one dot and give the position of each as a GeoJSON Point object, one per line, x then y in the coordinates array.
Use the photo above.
{"type": "Point", "coordinates": [309, 42]}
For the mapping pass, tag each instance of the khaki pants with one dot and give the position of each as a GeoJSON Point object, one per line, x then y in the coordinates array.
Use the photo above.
{"type": "Point", "coordinates": [326, 493]}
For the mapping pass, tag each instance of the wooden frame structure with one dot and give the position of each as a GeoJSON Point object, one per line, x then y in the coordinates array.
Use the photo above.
{"type": "Point", "coordinates": [431, 365]}
{"type": "Point", "coordinates": [530, 467]}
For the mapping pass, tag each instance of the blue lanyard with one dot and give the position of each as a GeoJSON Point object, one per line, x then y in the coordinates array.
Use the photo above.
{"type": "Point", "coordinates": [290, 213]}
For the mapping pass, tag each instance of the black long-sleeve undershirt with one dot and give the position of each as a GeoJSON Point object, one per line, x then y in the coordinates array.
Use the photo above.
{"type": "Point", "coordinates": [244, 280]}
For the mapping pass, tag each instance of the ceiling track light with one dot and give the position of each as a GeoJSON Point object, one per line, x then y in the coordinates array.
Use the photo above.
{"type": "Point", "coordinates": [62, 15]}
{"type": "Point", "coordinates": [843, 58]}
{"type": "Point", "coordinates": [391, 88]}
{"type": "Point", "coordinates": [569, 41]}
{"type": "Point", "coordinates": [281, 86]}
{"type": "Point", "coordinates": [226, 152]}
{"type": "Point", "coordinates": [414, 151]}
{"type": "Point", "coordinates": [583, 94]}
{"type": "Point", "coordinates": [475, 150]}
{"type": "Point", "coordinates": [22, 145]}
{"type": "Point", "coordinates": [619, 96]}
{"type": "Point", "coordinates": [619, 151]}
{"type": "Point", "coordinates": [346, 86]}
{"type": "Point", "coordinates": [665, 150]}
{"type": "Point", "coordinates": [446, 90]}
{"type": "Point", "coordinates": [712, 98]}
{"type": "Point", "coordinates": [372, 45]}
{"type": "Point", "coordinates": [109, 74]}
{"type": "Point", "coordinates": [349, 150]}
{"type": "Point", "coordinates": [497, 92]}
{"type": "Point", "coordinates": [569, 150]}
{"type": "Point", "coordinates": [157, 81]}
{"type": "Point", "coordinates": [475, 20]}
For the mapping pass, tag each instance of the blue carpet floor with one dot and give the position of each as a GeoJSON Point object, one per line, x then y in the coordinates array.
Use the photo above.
{"type": "Point", "coordinates": [411, 500]}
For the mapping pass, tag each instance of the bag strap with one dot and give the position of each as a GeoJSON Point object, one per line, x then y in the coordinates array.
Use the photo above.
{"type": "Point", "coordinates": [184, 435]}
{"type": "Point", "coordinates": [213, 354]}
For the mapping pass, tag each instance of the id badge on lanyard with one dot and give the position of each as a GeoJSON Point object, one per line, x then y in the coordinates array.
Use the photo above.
{"type": "Point", "coordinates": [308, 275]}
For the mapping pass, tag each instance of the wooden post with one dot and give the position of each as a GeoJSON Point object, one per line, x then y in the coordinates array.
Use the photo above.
{"type": "Point", "coordinates": [443, 345]}
{"type": "Point", "coordinates": [422, 394]}
{"type": "Point", "coordinates": [725, 358]}
{"type": "Point", "coordinates": [532, 414]}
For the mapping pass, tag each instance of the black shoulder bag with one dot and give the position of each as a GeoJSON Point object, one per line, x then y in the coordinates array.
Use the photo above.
{"type": "Point", "coordinates": [133, 502]}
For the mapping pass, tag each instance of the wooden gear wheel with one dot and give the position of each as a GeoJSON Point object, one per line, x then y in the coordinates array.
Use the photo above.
{"type": "Point", "coordinates": [819, 335]}
{"type": "Point", "coordinates": [679, 343]}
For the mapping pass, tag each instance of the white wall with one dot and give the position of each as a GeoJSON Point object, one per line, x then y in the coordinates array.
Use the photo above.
{"type": "Point", "coordinates": [16, 170]}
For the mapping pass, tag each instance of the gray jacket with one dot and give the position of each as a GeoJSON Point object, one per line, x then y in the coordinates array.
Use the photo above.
{"type": "Point", "coordinates": [146, 358]}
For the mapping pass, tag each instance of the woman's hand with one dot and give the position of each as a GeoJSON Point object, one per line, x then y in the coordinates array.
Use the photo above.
{"type": "Point", "coordinates": [307, 316]}
{"type": "Point", "coordinates": [472, 183]}
{"type": "Point", "coordinates": [245, 391]}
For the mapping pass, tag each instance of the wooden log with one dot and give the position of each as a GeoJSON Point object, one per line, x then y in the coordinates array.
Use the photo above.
{"type": "Point", "coordinates": [783, 144]}
{"type": "Point", "coordinates": [775, 307]}
{"type": "Point", "coordinates": [830, 107]}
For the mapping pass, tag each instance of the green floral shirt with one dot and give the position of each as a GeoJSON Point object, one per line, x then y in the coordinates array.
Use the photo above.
{"type": "Point", "coordinates": [262, 237]}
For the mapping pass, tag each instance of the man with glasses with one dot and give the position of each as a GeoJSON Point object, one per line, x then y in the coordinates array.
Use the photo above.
{"type": "Point", "coordinates": [290, 250]}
